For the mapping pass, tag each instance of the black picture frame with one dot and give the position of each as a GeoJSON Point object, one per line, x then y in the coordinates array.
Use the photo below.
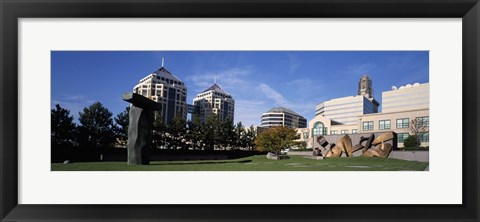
{"type": "Point", "coordinates": [11, 11]}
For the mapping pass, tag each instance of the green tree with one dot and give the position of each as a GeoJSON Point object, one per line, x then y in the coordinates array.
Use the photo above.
{"type": "Point", "coordinates": [63, 130]}
{"type": "Point", "coordinates": [96, 127]}
{"type": "Point", "coordinates": [210, 133]}
{"type": "Point", "coordinates": [159, 132]}
{"type": "Point", "coordinates": [176, 133]}
{"type": "Point", "coordinates": [225, 134]}
{"type": "Point", "coordinates": [250, 137]}
{"type": "Point", "coordinates": [194, 133]}
{"type": "Point", "coordinates": [121, 126]}
{"type": "Point", "coordinates": [240, 136]}
{"type": "Point", "coordinates": [411, 142]}
{"type": "Point", "coordinates": [275, 139]}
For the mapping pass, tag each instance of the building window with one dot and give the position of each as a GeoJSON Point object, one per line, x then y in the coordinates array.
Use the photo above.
{"type": "Point", "coordinates": [423, 137]}
{"type": "Point", "coordinates": [384, 124]}
{"type": "Point", "coordinates": [368, 126]}
{"type": "Point", "coordinates": [401, 137]}
{"type": "Point", "coordinates": [319, 129]}
{"type": "Point", "coordinates": [422, 121]}
{"type": "Point", "coordinates": [344, 132]}
{"type": "Point", "coordinates": [354, 131]}
{"type": "Point", "coordinates": [333, 132]}
{"type": "Point", "coordinates": [402, 123]}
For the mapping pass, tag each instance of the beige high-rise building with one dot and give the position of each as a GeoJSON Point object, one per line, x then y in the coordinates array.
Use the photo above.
{"type": "Point", "coordinates": [214, 101]}
{"type": "Point", "coordinates": [167, 89]}
{"type": "Point", "coordinates": [408, 97]}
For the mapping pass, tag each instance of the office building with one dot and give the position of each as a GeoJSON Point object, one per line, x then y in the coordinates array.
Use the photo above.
{"type": "Point", "coordinates": [167, 89]}
{"type": "Point", "coordinates": [403, 108]}
{"type": "Point", "coordinates": [281, 116]}
{"type": "Point", "coordinates": [346, 109]}
{"type": "Point", "coordinates": [214, 101]}
{"type": "Point", "coordinates": [408, 97]}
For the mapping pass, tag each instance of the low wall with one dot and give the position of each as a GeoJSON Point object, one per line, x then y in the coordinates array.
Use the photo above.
{"type": "Point", "coordinates": [300, 153]}
{"type": "Point", "coordinates": [422, 156]}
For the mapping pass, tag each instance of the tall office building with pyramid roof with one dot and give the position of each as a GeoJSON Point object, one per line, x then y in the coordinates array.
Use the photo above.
{"type": "Point", "coordinates": [167, 89]}
{"type": "Point", "coordinates": [214, 101]}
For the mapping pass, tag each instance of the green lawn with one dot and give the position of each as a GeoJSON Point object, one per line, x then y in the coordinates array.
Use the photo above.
{"type": "Point", "coordinates": [254, 163]}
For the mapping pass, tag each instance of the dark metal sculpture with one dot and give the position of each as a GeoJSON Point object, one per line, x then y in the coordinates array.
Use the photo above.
{"type": "Point", "coordinates": [140, 127]}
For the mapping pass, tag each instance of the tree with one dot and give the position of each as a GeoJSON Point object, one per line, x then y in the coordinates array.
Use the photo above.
{"type": "Point", "coordinates": [63, 130]}
{"type": "Point", "coordinates": [176, 133]}
{"type": "Point", "coordinates": [159, 131]}
{"type": "Point", "coordinates": [194, 133]}
{"type": "Point", "coordinates": [96, 126]}
{"type": "Point", "coordinates": [415, 128]}
{"type": "Point", "coordinates": [240, 136]}
{"type": "Point", "coordinates": [275, 139]}
{"type": "Point", "coordinates": [210, 133]}
{"type": "Point", "coordinates": [225, 134]}
{"type": "Point", "coordinates": [250, 137]}
{"type": "Point", "coordinates": [411, 142]}
{"type": "Point", "coordinates": [121, 126]}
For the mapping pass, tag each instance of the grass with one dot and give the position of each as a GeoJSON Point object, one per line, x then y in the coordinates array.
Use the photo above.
{"type": "Point", "coordinates": [254, 163]}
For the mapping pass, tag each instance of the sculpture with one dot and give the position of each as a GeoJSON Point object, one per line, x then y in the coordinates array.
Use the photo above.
{"type": "Point", "coordinates": [139, 127]}
{"type": "Point", "coordinates": [344, 144]}
{"type": "Point", "coordinates": [381, 149]}
{"type": "Point", "coordinates": [323, 142]}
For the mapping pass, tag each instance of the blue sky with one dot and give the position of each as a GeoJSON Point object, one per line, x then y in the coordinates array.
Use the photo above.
{"type": "Point", "coordinates": [257, 80]}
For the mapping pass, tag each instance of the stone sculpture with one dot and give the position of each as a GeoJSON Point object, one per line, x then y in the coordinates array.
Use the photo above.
{"type": "Point", "coordinates": [322, 141]}
{"type": "Point", "coordinates": [139, 127]}
{"type": "Point", "coordinates": [316, 152]}
{"type": "Point", "coordinates": [344, 144]}
{"type": "Point", "coordinates": [381, 149]}
{"type": "Point", "coordinates": [368, 143]}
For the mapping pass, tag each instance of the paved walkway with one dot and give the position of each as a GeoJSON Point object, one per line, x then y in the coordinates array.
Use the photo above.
{"type": "Point", "coordinates": [427, 169]}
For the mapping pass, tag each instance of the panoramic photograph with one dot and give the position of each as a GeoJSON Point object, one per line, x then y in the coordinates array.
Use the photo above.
{"type": "Point", "coordinates": [240, 110]}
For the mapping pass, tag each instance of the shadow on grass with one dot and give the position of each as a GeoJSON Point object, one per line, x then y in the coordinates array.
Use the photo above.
{"type": "Point", "coordinates": [194, 163]}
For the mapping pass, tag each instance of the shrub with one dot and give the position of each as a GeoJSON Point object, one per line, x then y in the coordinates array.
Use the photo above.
{"type": "Point", "coordinates": [411, 142]}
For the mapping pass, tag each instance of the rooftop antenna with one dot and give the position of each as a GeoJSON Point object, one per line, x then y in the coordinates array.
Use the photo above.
{"type": "Point", "coordinates": [215, 79]}
{"type": "Point", "coordinates": [163, 60]}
